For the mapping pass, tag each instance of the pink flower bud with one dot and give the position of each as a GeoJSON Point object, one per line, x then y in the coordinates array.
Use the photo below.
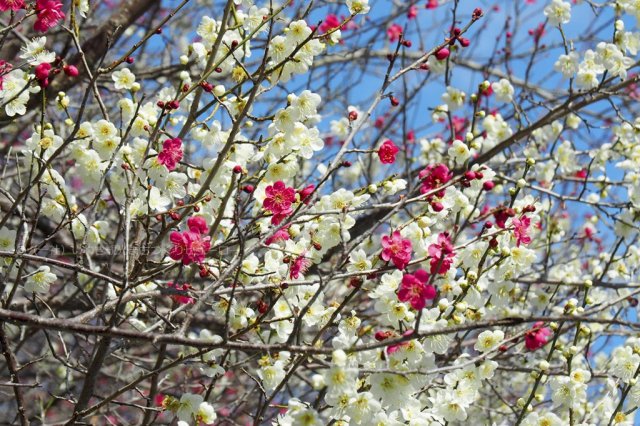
{"type": "Point", "coordinates": [71, 70]}
{"type": "Point", "coordinates": [442, 54]}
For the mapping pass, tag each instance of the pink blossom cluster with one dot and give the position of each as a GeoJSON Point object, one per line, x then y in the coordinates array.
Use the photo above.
{"type": "Point", "coordinates": [387, 152]}
{"type": "Point", "coordinates": [441, 254]}
{"type": "Point", "coordinates": [48, 14]}
{"type": "Point", "coordinates": [171, 153]}
{"type": "Point", "coordinates": [537, 337]}
{"type": "Point", "coordinates": [278, 201]}
{"type": "Point", "coordinates": [396, 249]}
{"type": "Point", "coordinates": [13, 5]}
{"type": "Point", "coordinates": [416, 290]}
{"type": "Point", "coordinates": [434, 176]}
{"type": "Point", "coordinates": [191, 246]}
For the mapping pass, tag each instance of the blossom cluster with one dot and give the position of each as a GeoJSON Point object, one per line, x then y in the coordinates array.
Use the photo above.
{"type": "Point", "coordinates": [342, 257]}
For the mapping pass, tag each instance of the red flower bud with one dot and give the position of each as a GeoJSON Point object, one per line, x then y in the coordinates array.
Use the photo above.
{"type": "Point", "coordinates": [71, 70]}
{"type": "Point", "coordinates": [488, 185]}
{"type": "Point", "coordinates": [442, 54]}
{"type": "Point", "coordinates": [42, 72]}
{"type": "Point", "coordinates": [262, 307]}
{"type": "Point", "coordinates": [207, 87]}
{"type": "Point", "coordinates": [355, 282]}
{"type": "Point", "coordinates": [383, 335]}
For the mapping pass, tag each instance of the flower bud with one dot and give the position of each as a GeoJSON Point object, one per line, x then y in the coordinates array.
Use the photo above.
{"type": "Point", "coordinates": [71, 70]}
{"type": "Point", "coordinates": [488, 185]}
{"type": "Point", "coordinates": [317, 382]}
{"type": "Point", "coordinates": [442, 54]}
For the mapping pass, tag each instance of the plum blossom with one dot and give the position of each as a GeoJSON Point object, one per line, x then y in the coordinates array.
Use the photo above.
{"type": "Point", "coordinates": [14, 5]}
{"type": "Point", "coordinates": [278, 201]}
{"type": "Point", "coordinates": [191, 246]}
{"type": "Point", "coordinates": [415, 289]}
{"type": "Point", "coordinates": [441, 254]}
{"type": "Point", "coordinates": [299, 266]}
{"type": "Point", "coordinates": [49, 12]}
{"type": "Point", "coordinates": [394, 32]}
{"type": "Point", "coordinates": [40, 281]}
{"type": "Point", "coordinates": [521, 230]}
{"type": "Point", "coordinates": [537, 337]}
{"type": "Point", "coordinates": [171, 153]}
{"type": "Point", "coordinates": [387, 152]}
{"type": "Point", "coordinates": [330, 22]}
{"type": "Point", "coordinates": [558, 12]}
{"type": "Point", "coordinates": [434, 176]}
{"type": "Point", "coordinates": [396, 249]}
{"type": "Point", "coordinates": [358, 6]}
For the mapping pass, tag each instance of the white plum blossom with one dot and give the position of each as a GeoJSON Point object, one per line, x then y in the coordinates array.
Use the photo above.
{"type": "Point", "coordinates": [39, 281]}
{"type": "Point", "coordinates": [358, 6]}
{"type": "Point", "coordinates": [503, 90]}
{"type": "Point", "coordinates": [124, 79]}
{"type": "Point", "coordinates": [489, 340]}
{"type": "Point", "coordinates": [459, 151]}
{"type": "Point", "coordinates": [558, 12]}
